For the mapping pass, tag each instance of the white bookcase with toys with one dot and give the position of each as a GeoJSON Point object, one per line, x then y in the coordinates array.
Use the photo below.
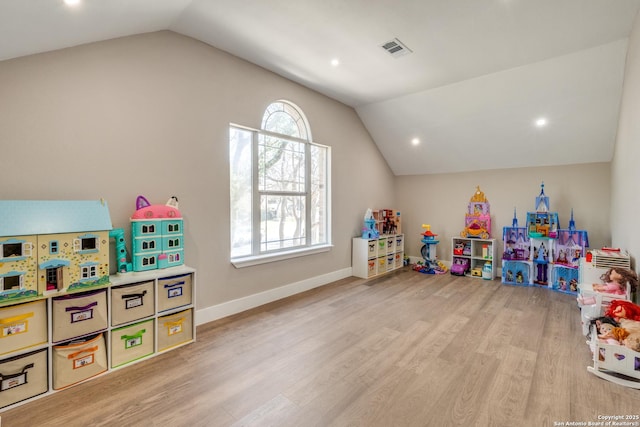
{"type": "Point", "coordinates": [472, 255]}
{"type": "Point", "coordinates": [375, 253]}
{"type": "Point", "coordinates": [63, 319]}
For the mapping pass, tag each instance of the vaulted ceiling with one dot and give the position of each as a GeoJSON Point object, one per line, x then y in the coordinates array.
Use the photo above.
{"type": "Point", "coordinates": [474, 78]}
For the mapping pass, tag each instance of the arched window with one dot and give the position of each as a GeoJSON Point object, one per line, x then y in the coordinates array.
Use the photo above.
{"type": "Point", "coordinates": [286, 119]}
{"type": "Point", "coordinates": [279, 188]}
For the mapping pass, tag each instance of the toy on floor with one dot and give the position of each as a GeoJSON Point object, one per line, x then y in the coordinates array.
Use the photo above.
{"type": "Point", "coordinates": [542, 252]}
{"type": "Point", "coordinates": [431, 265]}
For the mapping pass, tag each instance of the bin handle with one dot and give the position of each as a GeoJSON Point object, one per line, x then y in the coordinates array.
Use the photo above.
{"type": "Point", "coordinates": [179, 321]}
{"type": "Point", "coordinates": [136, 335]}
{"type": "Point", "coordinates": [171, 285]}
{"type": "Point", "coordinates": [140, 295]}
{"type": "Point", "coordinates": [86, 350]}
{"type": "Point", "coordinates": [14, 319]}
{"type": "Point", "coordinates": [93, 304]}
{"type": "Point", "coordinates": [17, 374]}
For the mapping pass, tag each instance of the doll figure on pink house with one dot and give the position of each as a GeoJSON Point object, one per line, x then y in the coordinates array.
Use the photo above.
{"type": "Point", "coordinates": [478, 217]}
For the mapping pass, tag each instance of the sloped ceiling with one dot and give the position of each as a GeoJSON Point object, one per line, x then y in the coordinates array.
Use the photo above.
{"type": "Point", "coordinates": [479, 74]}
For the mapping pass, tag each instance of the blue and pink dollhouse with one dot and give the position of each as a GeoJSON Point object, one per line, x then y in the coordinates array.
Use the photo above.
{"type": "Point", "coordinates": [541, 253]}
{"type": "Point", "coordinates": [157, 235]}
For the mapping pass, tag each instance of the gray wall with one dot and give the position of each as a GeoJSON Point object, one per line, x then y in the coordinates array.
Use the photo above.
{"type": "Point", "coordinates": [625, 204]}
{"type": "Point", "coordinates": [149, 115]}
{"type": "Point", "coordinates": [441, 200]}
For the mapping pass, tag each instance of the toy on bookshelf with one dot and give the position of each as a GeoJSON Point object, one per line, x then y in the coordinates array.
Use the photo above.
{"type": "Point", "coordinates": [477, 221]}
{"type": "Point", "coordinates": [431, 265]}
{"type": "Point", "coordinates": [49, 246]}
{"type": "Point", "coordinates": [157, 235]}
{"type": "Point", "coordinates": [369, 230]}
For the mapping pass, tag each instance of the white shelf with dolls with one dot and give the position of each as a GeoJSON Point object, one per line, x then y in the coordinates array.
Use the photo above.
{"type": "Point", "coordinates": [610, 320]}
{"type": "Point", "coordinates": [605, 275]}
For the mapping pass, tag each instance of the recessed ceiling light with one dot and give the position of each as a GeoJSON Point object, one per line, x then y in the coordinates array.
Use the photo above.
{"type": "Point", "coordinates": [335, 62]}
{"type": "Point", "coordinates": [415, 141]}
{"type": "Point", "coordinates": [72, 2]}
{"type": "Point", "coordinates": [541, 122]}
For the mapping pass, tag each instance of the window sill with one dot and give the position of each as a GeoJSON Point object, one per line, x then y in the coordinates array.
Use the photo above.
{"type": "Point", "coordinates": [279, 256]}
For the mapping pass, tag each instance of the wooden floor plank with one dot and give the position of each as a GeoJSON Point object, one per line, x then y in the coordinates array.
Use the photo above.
{"type": "Point", "coordinates": [405, 349]}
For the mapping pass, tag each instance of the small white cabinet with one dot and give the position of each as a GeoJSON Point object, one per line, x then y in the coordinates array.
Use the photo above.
{"type": "Point", "coordinates": [373, 257]}
{"type": "Point", "coordinates": [477, 252]}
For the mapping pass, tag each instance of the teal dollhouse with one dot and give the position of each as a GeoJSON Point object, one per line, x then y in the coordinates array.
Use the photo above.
{"type": "Point", "coordinates": [49, 246]}
{"type": "Point", "coordinates": [157, 235]}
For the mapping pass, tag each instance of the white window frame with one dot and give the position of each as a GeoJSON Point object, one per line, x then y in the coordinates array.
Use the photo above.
{"type": "Point", "coordinates": [88, 272]}
{"type": "Point", "coordinates": [261, 257]}
{"type": "Point", "coordinates": [20, 281]}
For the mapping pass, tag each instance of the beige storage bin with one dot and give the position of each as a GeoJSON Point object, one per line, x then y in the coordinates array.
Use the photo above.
{"type": "Point", "coordinates": [78, 360]}
{"type": "Point", "coordinates": [75, 315]}
{"type": "Point", "coordinates": [132, 302]}
{"type": "Point", "coordinates": [131, 342]}
{"type": "Point", "coordinates": [22, 326]}
{"type": "Point", "coordinates": [174, 291]}
{"type": "Point", "coordinates": [175, 329]}
{"type": "Point", "coordinates": [23, 377]}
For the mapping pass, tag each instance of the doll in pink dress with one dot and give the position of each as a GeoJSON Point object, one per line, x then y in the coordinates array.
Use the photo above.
{"type": "Point", "coordinates": [615, 281]}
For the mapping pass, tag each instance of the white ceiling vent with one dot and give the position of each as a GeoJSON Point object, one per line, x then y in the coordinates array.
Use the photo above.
{"type": "Point", "coordinates": [396, 48]}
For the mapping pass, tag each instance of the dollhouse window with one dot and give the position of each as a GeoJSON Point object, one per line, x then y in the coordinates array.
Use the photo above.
{"type": "Point", "coordinates": [15, 249]}
{"type": "Point", "coordinates": [149, 244]}
{"type": "Point", "coordinates": [148, 229]}
{"type": "Point", "coordinates": [10, 282]}
{"type": "Point", "coordinates": [86, 244]}
{"type": "Point", "coordinates": [173, 228]}
{"type": "Point", "coordinates": [280, 193]}
{"type": "Point", "coordinates": [53, 247]}
{"type": "Point", "coordinates": [148, 260]}
{"type": "Point", "coordinates": [88, 272]}
{"type": "Point", "coordinates": [11, 250]}
{"type": "Point", "coordinates": [174, 243]}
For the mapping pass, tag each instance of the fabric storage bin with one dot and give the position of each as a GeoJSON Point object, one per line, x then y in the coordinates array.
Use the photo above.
{"type": "Point", "coordinates": [23, 377]}
{"type": "Point", "coordinates": [22, 326]}
{"type": "Point", "coordinates": [132, 302]}
{"type": "Point", "coordinates": [174, 292]}
{"type": "Point", "coordinates": [131, 342]}
{"type": "Point", "coordinates": [78, 360]}
{"type": "Point", "coordinates": [175, 329]}
{"type": "Point", "coordinates": [75, 315]}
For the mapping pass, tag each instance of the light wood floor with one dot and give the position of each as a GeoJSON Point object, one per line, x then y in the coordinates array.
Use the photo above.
{"type": "Point", "coordinates": [407, 349]}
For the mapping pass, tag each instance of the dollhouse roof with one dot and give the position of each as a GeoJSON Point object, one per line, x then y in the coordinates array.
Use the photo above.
{"type": "Point", "coordinates": [31, 217]}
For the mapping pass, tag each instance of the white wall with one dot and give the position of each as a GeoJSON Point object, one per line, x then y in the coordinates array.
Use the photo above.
{"type": "Point", "coordinates": [149, 115]}
{"type": "Point", "coordinates": [625, 171]}
{"type": "Point", "coordinates": [441, 200]}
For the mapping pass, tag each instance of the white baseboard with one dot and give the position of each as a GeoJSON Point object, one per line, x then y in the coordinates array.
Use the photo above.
{"type": "Point", "coordinates": [239, 305]}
